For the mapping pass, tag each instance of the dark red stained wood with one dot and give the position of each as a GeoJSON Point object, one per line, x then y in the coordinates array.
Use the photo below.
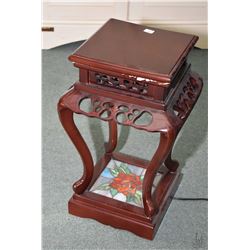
{"type": "Point", "coordinates": [125, 216]}
{"type": "Point", "coordinates": [133, 160]}
{"type": "Point", "coordinates": [66, 118]}
{"type": "Point", "coordinates": [164, 147]}
{"type": "Point", "coordinates": [129, 98]}
{"type": "Point", "coordinates": [110, 64]}
{"type": "Point", "coordinates": [126, 46]}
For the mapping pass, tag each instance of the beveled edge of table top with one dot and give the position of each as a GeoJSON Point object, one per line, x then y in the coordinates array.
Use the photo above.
{"type": "Point", "coordinates": [164, 79]}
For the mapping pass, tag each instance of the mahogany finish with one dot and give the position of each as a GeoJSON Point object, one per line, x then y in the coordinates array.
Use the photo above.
{"type": "Point", "coordinates": [125, 47]}
{"type": "Point", "coordinates": [125, 74]}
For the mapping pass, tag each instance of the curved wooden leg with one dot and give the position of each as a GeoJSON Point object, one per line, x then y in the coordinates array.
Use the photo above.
{"type": "Point", "coordinates": [111, 145]}
{"type": "Point", "coordinates": [66, 118]}
{"type": "Point", "coordinates": [164, 147]}
{"type": "Point", "coordinates": [171, 164]}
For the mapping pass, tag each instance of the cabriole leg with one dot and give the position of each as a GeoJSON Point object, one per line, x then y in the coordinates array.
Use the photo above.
{"type": "Point", "coordinates": [66, 118]}
{"type": "Point", "coordinates": [111, 144]}
{"type": "Point", "coordinates": [171, 164]}
{"type": "Point", "coordinates": [164, 147]}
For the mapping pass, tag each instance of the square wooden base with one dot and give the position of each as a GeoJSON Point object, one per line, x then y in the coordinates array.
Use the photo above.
{"type": "Point", "coordinates": [123, 215]}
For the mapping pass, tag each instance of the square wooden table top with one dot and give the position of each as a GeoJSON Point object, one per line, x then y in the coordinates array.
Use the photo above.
{"type": "Point", "coordinates": [135, 48]}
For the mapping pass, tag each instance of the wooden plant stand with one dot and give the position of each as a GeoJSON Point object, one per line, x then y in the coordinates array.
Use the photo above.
{"type": "Point", "coordinates": [135, 76]}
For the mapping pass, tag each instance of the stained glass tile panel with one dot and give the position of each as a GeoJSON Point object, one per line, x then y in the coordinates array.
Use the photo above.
{"type": "Point", "coordinates": [122, 181]}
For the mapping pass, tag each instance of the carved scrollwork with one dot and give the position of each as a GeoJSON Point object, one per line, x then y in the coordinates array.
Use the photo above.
{"type": "Point", "coordinates": [107, 109]}
{"type": "Point", "coordinates": [131, 85]}
{"type": "Point", "coordinates": [122, 113]}
{"type": "Point", "coordinates": [187, 96]}
{"type": "Point", "coordinates": [114, 111]}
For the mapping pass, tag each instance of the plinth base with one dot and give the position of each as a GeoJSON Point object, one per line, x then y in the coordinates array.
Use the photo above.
{"type": "Point", "coordinates": [124, 215]}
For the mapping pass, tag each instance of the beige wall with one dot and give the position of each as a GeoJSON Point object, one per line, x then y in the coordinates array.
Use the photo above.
{"type": "Point", "coordinates": [75, 20]}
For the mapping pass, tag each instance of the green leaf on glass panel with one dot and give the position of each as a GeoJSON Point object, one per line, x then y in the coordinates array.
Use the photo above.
{"type": "Point", "coordinates": [139, 192]}
{"type": "Point", "coordinates": [129, 198]}
{"type": "Point", "coordinates": [114, 172]}
{"type": "Point", "coordinates": [122, 164]}
{"type": "Point", "coordinates": [113, 192]}
{"type": "Point", "coordinates": [124, 168]}
{"type": "Point", "coordinates": [141, 177]}
{"type": "Point", "coordinates": [104, 186]}
{"type": "Point", "coordinates": [121, 170]}
{"type": "Point", "coordinates": [138, 198]}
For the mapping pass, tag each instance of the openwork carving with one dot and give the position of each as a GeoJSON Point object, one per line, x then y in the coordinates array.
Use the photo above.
{"type": "Point", "coordinates": [123, 114]}
{"type": "Point", "coordinates": [85, 101]}
{"type": "Point", "coordinates": [114, 111]}
{"type": "Point", "coordinates": [131, 85]}
{"type": "Point", "coordinates": [156, 96]}
{"type": "Point", "coordinates": [187, 97]}
{"type": "Point", "coordinates": [108, 109]}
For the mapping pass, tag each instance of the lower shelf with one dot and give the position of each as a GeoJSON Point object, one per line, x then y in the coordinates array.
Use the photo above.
{"type": "Point", "coordinates": [122, 181]}
{"type": "Point", "coordinates": [115, 195]}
